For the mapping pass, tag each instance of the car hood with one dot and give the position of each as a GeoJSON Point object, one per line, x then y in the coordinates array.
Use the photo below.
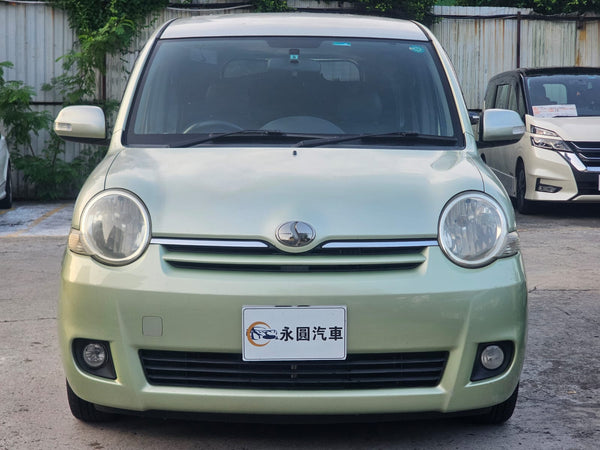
{"type": "Point", "coordinates": [571, 128]}
{"type": "Point", "coordinates": [241, 193]}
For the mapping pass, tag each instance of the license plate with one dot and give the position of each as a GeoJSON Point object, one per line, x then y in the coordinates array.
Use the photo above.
{"type": "Point", "coordinates": [293, 333]}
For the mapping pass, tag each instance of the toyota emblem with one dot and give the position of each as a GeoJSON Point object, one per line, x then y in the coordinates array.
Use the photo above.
{"type": "Point", "coordinates": [295, 234]}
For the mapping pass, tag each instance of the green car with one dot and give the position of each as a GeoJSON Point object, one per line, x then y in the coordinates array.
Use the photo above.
{"type": "Point", "coordinates": [292, 220]}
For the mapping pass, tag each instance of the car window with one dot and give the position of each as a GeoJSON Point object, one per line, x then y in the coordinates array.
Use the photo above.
{"type": "Point", "coordinates": [564, 95]}
{"type": "Point", "coordinates": [512, 99]}
{"type": "Point", "coordinates": [291, 85]}
{"type": "Point", "coordinates": [502, 96]}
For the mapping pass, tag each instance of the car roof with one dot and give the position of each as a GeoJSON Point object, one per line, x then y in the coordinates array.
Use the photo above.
{"type": "Point", "coordinates": [537, 71]}
{"type": "Point", "coordinates": [294, 24]}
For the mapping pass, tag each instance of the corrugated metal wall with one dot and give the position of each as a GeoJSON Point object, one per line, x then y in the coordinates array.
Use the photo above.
{"type": "Point", "coordinates": [33, 37]}
{"type": "Point", "coordinates": [478, 47]}
{"type": "Point", "coordinates": [480, 41]}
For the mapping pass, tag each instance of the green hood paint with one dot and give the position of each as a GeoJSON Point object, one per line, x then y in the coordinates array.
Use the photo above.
{"type": "Point", "coordinates": [342, 193]}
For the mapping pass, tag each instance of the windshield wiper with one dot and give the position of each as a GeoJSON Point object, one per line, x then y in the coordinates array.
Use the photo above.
{"type": "Point", "coordinates": [315, 140]}
{"type": "Point", "coordinates": [214, 137]}
{"type": "Point", "coordinates": [416, 138]}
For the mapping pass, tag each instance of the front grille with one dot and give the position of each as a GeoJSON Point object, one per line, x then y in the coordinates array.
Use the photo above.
{"type": "Point", "coordinates": [588, 152]}
{"type": "Point", "coordinates": [587, 187]}
{"type": "Point", "coordinates": [358, 371]}
{"type": "Point", "coordinates": [258, 256]}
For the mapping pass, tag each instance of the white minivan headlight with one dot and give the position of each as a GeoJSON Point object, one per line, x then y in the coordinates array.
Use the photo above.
{"type": "Point", "coordinates": [473, 231]}
{"type": "Point", "coordinates": [547, 139]}
{"type": "Point", "coordinates": [114, 228]}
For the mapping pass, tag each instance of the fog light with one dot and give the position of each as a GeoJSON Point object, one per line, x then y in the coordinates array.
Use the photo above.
{"type": "Point", "coordinates": [492, 357]}
{"type": "Point", "coordinates": [548, 188]}
{"type": "Point", "coordinates": [94, 355]}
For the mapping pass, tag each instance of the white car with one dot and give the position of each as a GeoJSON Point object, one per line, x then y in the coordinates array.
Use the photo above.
{"type": "Point", "coordinates": [558, 158]}
{"type": "Point", "coordinates": [5, 182]}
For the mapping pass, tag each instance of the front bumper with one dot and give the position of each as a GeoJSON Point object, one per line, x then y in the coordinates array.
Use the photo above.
{"type": "Point", "coordinates": [435, 307]}
{"type": "Point", "coordinates": [563, 172]}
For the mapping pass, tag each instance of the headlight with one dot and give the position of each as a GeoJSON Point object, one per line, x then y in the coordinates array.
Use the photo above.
{"type": "Point", "coordinates": [542, 131]}
{"type": "Point", "coordinates": [549, 140]}
{"type": "Point", "coordinates": [473, 231]}
{"type": "Point", "coordinates": [114, 228]}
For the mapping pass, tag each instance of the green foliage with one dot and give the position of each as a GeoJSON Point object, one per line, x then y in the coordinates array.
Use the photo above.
{"type": "Point", "coordinates": [270, 5]}
{"type": "Point", "coordinates": [103, 27]}
{"type": "Point", "coordinates": [406, 9]}
{"type": "Point", "coordinates": [507, 3]}
{"type": "Point", "coordinates": [106, 27]}
{"type": "Point", "coordinates": [541, 6]}
{"type": "Point", "coordinates": [419, 10]}
{"type": "Point", "coordinates": [77, 84]}
{"type": "Point", "coordinates": [566, 6]}
{"type": "Point", "coordinates": [16, 114]}
{"type": "Point", "coordinates": [88, 16]}
{"type": "Point", "coordinates": [51, 176]}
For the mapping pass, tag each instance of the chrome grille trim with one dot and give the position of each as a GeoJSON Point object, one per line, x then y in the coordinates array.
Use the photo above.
{"type": "Point", "coordinates": [588, 153]}
{"type": "Point", "coordinates": [379, 244]}
{"type": "Point", "coordinates": [585, 146]}
{"type": "Point", "coordinates": [214, 243]}
{"type": "Point", "coordinates": [261, 256]}
{"type": "Point", "coordinates": [217, 243]}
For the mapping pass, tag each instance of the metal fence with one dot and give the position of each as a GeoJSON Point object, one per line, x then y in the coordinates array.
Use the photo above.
{"type": "Point", "coordinates": [480, 42]}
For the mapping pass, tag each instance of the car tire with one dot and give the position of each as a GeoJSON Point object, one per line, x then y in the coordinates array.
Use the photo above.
{"type": "Point", "coordinates": [86, 411]}
{"type": "Point", "coordinates": [522, 205]}
{"type": "Point", "coordinates": [500, 413]}
{"type": "Point", "coordinates": [6, 202]}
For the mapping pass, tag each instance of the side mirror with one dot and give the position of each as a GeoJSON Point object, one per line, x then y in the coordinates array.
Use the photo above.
{"type": "Point", "coordinates": [474, 116]}
{"type": "Point", "coordinates": [500, 126]}
{"type": "Point", "coordinates": [85, 124]}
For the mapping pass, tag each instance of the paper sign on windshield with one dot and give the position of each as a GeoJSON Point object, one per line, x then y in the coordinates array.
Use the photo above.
{"type": "Point", "coordinates": [546, 111]}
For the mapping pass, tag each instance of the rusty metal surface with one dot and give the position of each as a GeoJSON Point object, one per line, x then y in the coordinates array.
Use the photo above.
{"type": "Point", "coordinates": [482, 42]}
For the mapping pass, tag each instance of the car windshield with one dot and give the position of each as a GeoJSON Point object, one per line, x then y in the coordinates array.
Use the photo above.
{"type": "Point", "coordinates": [567, 95]}
{"type": "Point", "coordinates": [283, 90]}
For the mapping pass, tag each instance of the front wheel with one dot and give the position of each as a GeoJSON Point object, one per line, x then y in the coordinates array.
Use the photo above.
{"type": "Point", "coordinates": [86, 411]}
{"type": "Point", "coordinates": [500, 413]}
{"type": "Point", "coordinates": [522, 205]}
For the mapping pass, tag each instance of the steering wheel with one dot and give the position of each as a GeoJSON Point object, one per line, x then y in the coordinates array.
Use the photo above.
{"type": "Point", "coordinates": [212, 126]}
